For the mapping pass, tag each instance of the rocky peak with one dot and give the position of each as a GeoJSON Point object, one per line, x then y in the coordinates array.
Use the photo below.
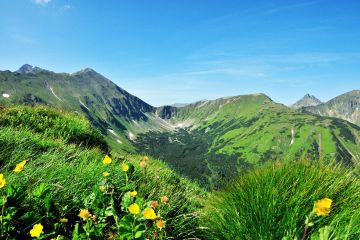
{"type": "Point", "coordinates": [306, 101]}
{"type": "Point", "coordinates": [27, 68]}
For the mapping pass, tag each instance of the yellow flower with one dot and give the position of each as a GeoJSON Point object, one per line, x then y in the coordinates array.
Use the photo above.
{"type": "Point", "coordinates": [102, 188]}
{"type": "Point", "coordinates": [134, 209]}
{"type": "Point", "coordinates": [133, 193]}
{"type": "Point", "coordinates": [160, 224]}
{"type": "Point", "coordinates": [84, 214]}
{"type": "Point", "coordinates": [2, 180]}
{"type": "Point", "coordinates": [107, 160]}
{"type": "Point", "coordinates": [63, 220]}
{"type": "Point", "coordinates": [322, 207]}
{"type": "Point", "coordinates": [143, 164]}
{"type": "Point", "coordinates": [36, 230]}
{"type": "Point", "coordinates": [124, 167]}
{"type": "Point", "coordinates": [20, 166]}
{"type": "Point", "coordinates": [164, 199]}
{"type": "Point", "coordinates": [149, 213]}
{"type": "Point", "coordinates": [106, 174]}
{"type": "Point", "coordinates": [145, 159]}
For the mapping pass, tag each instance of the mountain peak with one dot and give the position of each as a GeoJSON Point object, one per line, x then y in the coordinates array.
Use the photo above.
{"type": "Point", "coordinates": [306, 101]}
{"type": "Point", "coordinates": [85, 71]}
{"type": "Point", "coordinates": [27, 68]}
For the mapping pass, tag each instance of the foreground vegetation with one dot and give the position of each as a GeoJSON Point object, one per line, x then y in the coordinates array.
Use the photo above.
{"type": "Point", "coordinates": [274, 202]}
{"type": "Point", "coordinates": [58, 180]}
{"type": "Point", "coordinates": [74, 192]}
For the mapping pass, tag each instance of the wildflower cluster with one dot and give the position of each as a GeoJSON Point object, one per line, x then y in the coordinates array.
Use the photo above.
{"type": "Point", "coordinates": [134, 217]}
{"type": "Point", "coordinates": [9, 212]}
{"type": "Point", "coordinates": [116, 206]}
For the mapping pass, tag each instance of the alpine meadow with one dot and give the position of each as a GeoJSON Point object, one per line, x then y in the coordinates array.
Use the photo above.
{"type": "Point", "coordinates": [195, 120]}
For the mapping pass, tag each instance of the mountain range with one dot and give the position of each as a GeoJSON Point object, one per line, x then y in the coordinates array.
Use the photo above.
{"type": "Point", "coordinates": [210, 140]}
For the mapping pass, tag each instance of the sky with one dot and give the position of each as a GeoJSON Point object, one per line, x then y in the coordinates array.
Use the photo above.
{"type": "Point", "coordinates": [181, 51]}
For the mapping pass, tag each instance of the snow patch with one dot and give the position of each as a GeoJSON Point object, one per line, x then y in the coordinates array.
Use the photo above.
{"type": "Point", "coordinates": [52, 91]}
{"type": "Point", "coordinates": [113, 132]}
{"type": "Point", "coordinates": [131, 136]}
{"type": "Point", "coordinates": [83, 105]}
{"type": "Point", "coordinates": [292, 136]}
{"type": "Point", "coordinates": [6, 95]}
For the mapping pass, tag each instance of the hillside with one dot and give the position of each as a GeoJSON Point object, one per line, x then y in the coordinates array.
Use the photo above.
{"type": "Point", "coordinates": [54, 173]}
{"type": "Point", "coordinates": [110, 109]}
{"type": "Point", "coordinates": [217, 139]}
{"type": "Point", "coordinates": [345, 106]}
{"type": "Point", "coordinates": [210, 141]}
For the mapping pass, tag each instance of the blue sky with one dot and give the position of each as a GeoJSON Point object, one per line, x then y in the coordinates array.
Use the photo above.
{"type": "Point", "coordinates": [169, 51]}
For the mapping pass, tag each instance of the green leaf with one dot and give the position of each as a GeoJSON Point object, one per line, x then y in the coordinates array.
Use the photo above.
{"type": "Point", "coordinates": [125, 223]}
{"type": "Point", "coordinates": [47, 202]}
{"type": "Point", "coordinates": [139, 234]}
{"type": "Point", "coordinates": [30, 218]}
{"type": "Point", "coordinates": [324, 233]}
{"type": "Point", "coordinates": [41, 190]}
{"type": "Point", "coordinates": [126, 201]}
{"type": "Point", "coordinates": [14, 194]}
{"type": "Point", "coordinates": [75, 235]}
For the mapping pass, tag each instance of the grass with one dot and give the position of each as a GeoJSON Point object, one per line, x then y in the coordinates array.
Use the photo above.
{"type": "Point", "coordinates": [273, 202]}
{"type": "Point", "coordinates": [62, 175]}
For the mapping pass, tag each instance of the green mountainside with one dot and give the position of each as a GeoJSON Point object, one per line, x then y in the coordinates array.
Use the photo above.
{"type": "Point", "coordinates": [210, 141]}
{"type": "Point", "coordinates": [217, 139]}
{"type": "Point", "coordinates": [282, 162]}
{"type": "Point", "coordinates": [110, 109]}
{"type": "Point", "coordinates": [346, 106]}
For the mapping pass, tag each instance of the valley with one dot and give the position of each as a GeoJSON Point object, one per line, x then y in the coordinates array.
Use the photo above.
{"type": "Point", "coordinates": [209, 141]}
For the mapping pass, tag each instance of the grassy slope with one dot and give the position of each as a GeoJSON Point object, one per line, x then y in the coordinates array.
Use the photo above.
{"type": "Point", "coordinates": [229, 135]}
{"type": "Point", "coordinates": [57, 155]}
{"type": "Point", "coordinates": [87, 93]}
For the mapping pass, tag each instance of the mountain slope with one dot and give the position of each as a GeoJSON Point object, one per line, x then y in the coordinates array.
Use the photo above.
{"type": "Point", "coordinates": [217, 139]}
{"type": "Point", "coordinates": [109, 108]}
{"type": "Point", "coordinates": [345, 106]}
{"type": "Point", "coordinates": [210, 141]}
{"type": "Point", "coordinates": [306, 101]}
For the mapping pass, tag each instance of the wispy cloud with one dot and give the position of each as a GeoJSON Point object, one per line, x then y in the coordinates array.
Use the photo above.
{"type": "Point", "coordinates": [42, 2]}
{"type": "Point", "coordinates": [66, 7]}
{"type": "Point", "coordinates": [290, 7]}
{"type": "Point", "coordinates": [22, 39]}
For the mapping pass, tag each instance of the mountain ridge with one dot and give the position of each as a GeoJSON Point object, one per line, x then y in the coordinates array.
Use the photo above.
{"type": "Point", "coordinates": [345, 106]}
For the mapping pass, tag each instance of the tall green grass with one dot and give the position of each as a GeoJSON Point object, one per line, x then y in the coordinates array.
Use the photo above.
{"type": "Point", "coordinates": [273, 202]}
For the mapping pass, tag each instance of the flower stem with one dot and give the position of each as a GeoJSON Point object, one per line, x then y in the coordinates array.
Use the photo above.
{"type": "Point", "coordinates": [132, 229]}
